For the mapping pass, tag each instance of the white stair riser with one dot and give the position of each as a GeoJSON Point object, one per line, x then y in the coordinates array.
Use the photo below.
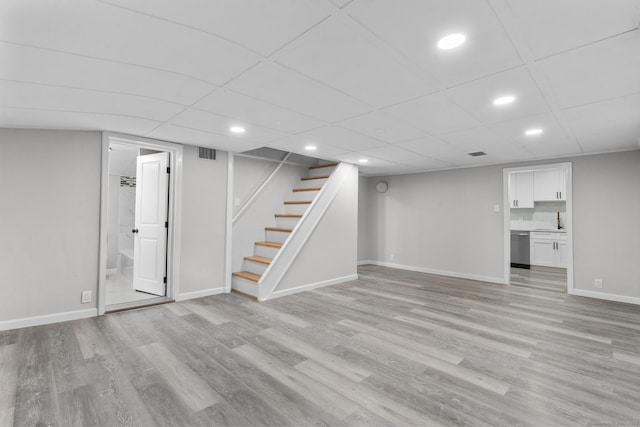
{"type": "Point", "coordinates": [296, 209]}
{"type": "Point", "coordinates": [265, 251]}
{"type": "Point", "coordinates": [254, 267]}
{"type": "Point", "coordinates": [287, 222]}
{"type": "Point", "coordinates": [311, 183]}
{"type": "Point", "coordinates": [303, 195]}
{"type": "Point", "coordinates": [321, 171]}
{"type": "Point", "coordinates": [245, 286]}
{"type": "Point", "coordinates": [276, 236]}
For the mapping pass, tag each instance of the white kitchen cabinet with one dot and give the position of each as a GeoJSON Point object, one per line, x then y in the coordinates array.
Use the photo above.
{"type": "Point", "coordinates": [521, 189]}
{"type": "Point", "coordinates": [548, 249]}
{"type": "Point", "coordinates": [549, 184]}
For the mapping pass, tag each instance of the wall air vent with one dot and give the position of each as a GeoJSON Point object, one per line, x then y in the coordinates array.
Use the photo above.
{"type": "Point", "coordinates": [478, 153]}
{"type": "Point", "coordinates": [206, 153]}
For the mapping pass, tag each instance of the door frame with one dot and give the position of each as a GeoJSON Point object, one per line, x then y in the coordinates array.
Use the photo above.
{"type": "Point", "coordinates": [506, 207]}
{"type": "Point", "coordinates": [174, 236]}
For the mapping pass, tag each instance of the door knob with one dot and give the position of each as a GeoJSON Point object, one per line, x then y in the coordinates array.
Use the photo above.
{"type": "Point", "coordinates": [135, 230]}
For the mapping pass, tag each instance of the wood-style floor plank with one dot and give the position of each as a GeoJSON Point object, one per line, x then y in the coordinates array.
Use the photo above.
{"type": "Point", "coordinates": [391, 348]}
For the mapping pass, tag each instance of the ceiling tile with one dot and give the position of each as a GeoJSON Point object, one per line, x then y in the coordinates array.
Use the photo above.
{"type": "Point", "coordinates": [261, 25]}
{"type": "Point", "coordinates": [600, 71]}
{"type": "Point", "coordinates": [213, 123]}
{"type": "Point", "coordinates": [552, 26]}
{"type": "Point", "coordinates": [28, 95]}
{"type": "Point", "coordinates": [250, 110]}
{"type": "Point", "coordinates": [340, 3]}
{"type": "Point", "coordinates": [45, 119]}
{"type": "Point", "coordinates": [391, 153]}
{"type": "Point", "coordinates": [180, 134]}
{"type": "Point", "coordinates": [297, 145]}
{"type": "Point", "coordinates": [382, 126]}
{"type": "Point", "coordinates": [434, 114]}
{"type": "Point", "coordinates": [277, 85]}
{"type": "Point", "coordinates": [99, 30]}
{"type": "Point", "coordinates": [478, 96]}
{"type": "Point", "coordinates": [335, 136]}
{"type": "Point", "coordinates": [26, 64]}
{"type": "Point", "coordinates": [606, 126]}
{"type": "Point", "coordinates": [432, 147]}
{"type": "Point", "coordinates": [514, 130]}
{"type": "Point", "coordinates": [476, 139]}
{"type": "Point", "coordinates": [365, 71]}
{"type": "Point", "coordinates": [414, 27]}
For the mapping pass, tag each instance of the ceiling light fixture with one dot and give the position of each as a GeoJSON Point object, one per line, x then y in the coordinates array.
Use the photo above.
{"type": "Point", "coordinates": [237, 129]}
{"type": "Point", "coordinates": [503, 100]}
{"type": "Point", "coordinates": [532, 132]}
{"type": "Point", "coordinates": [310, 148]}
{"type": "Point", "coordinates": [363, 161]}
{"type": "Point", "coordinates": [451, 41]}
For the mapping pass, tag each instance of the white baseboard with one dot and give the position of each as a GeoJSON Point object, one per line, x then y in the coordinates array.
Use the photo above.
{"type": "Point", "coordinates": [498, 280]}
{"type": "Point", "coordinates": [46, 319]}
{"type": "Point", "coordinates": [604, 296]}
{"type": "Point", "coordinates": [311, 286]}
{"type": "Point", "coordinates": [200, 294]}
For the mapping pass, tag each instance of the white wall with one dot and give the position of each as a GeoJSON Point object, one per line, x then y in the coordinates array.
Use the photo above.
{"type": "Point", "coordinates": [444, 221]}
{"type": "Point", "coordinates": [330, 254]}
{"type": "Point", "coordinates": [249, 174]}
{"type": "Point", "coordinates": [203, 222]}
{"type": "Point", "coordinates": [49, 210]}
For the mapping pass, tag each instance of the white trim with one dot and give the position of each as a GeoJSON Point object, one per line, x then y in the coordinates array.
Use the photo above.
{"type": "Point", "coordinates": [311, 286]}
{"type": "Point", "coordinates": [302, 232]}
{"type": "Point", "coordinates": [46, 319]}
{"type": "Point", "coordinates": [228, 235]}
{"type": "Point", "coordinates": [175, 210]}
{"type": "Point", "coordinates": [259, 190]}
{"type": "Point", "coordinates": [507, 217]}
{"type": "Point", "coordinates": [489, 279]}
{"type": "Point", "coordinates": [200, 294]}
{"type": "Point", "coordinates": [604, 296]}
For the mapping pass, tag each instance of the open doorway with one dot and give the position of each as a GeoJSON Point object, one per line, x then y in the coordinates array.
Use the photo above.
{"type": "Point", "coordinates": [538, 227]}
{"type": "Point", "coordinates": [138, 239]}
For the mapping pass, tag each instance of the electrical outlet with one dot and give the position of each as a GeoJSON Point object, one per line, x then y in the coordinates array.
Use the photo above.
{"type": "Point", "coordinates": [391, 256]}
{"type": "Point", "coordinates": [86, 297]}
{"type": "Point", "coordinates": [598, 283]}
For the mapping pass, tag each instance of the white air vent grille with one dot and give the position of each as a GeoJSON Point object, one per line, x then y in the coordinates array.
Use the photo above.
{"type": "Point", "coordinates": [206, 153]}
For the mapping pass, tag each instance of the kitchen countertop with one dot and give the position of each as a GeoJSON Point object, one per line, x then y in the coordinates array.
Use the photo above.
{"type": "Point", "coordinates": [543, 230]}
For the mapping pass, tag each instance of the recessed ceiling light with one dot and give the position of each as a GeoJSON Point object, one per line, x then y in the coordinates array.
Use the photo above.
{"type": "Point", "coordinates": [504, 100]}
{"type": "Point", "coordinates": [451, 41]}
{"type": "Point", "coordinates": [237, 129]}
{"type": "Point", "coordinates": [363, 161]}
{"type": "Point", "coordinates": [531, 132]}
{"type": "Point", "coordinates": [310, 148]}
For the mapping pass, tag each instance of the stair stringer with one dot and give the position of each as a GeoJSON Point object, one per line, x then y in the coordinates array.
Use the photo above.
{"type": "Point", "coordinates": [284, 259]}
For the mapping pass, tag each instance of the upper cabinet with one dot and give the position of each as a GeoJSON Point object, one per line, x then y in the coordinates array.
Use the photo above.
{"type": "Point", "coordinates": [521, 188]}
{"type": "Point", "coordinates": [549, 184]}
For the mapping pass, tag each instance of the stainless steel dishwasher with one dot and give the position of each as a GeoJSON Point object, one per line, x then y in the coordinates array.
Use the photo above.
{"type": "Point", "coordinates": [520, 256]}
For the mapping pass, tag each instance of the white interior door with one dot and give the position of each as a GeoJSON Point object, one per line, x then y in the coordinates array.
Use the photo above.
{"type": "Point", "coordinates": [150, 232]}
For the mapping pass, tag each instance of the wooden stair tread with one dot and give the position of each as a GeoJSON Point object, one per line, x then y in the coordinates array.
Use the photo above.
{"type": "Point", "coordinates": [260, 259]}
{"type": "Point", "coordinates": [270, 244]}
{"type": "Point", "coordinates": [309, 178]}
{"type": "Point", "coordinates": [288, 215]}
{"type": "Point", "coordinates": [295, 190]}
{"type": "Point", "coordinates": [328, 165]}
{"type": "Point", "coordinates": [282, 229]}
{"type": "Point", "coordinates": [297, 202]}
{"type": "Point", "coordinates": [247, 275]}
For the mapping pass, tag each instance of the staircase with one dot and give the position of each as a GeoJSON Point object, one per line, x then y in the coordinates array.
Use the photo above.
{"type": "Point", "coordinates": [254, 266]}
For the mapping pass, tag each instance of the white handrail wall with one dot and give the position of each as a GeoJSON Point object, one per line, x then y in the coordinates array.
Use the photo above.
{"type": "Point", "coordinates": [302, 232]}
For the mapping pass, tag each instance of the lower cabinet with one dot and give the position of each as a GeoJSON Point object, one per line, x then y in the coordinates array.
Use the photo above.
{"type": "Point", "coordinates": [548, 249]}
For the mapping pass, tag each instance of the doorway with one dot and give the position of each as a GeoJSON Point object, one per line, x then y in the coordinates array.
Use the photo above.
{"type": "Point", "coordinates": [538, 227]}
{"type": "Point", "coordinates": [138, 238]}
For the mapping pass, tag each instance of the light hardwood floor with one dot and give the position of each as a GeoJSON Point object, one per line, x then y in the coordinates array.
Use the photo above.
{"type": "Point", "coordinates": [392, 348]}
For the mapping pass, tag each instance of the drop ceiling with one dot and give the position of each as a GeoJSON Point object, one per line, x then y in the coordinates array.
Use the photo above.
{"type": "Point", "coordinates": [360, 79]}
